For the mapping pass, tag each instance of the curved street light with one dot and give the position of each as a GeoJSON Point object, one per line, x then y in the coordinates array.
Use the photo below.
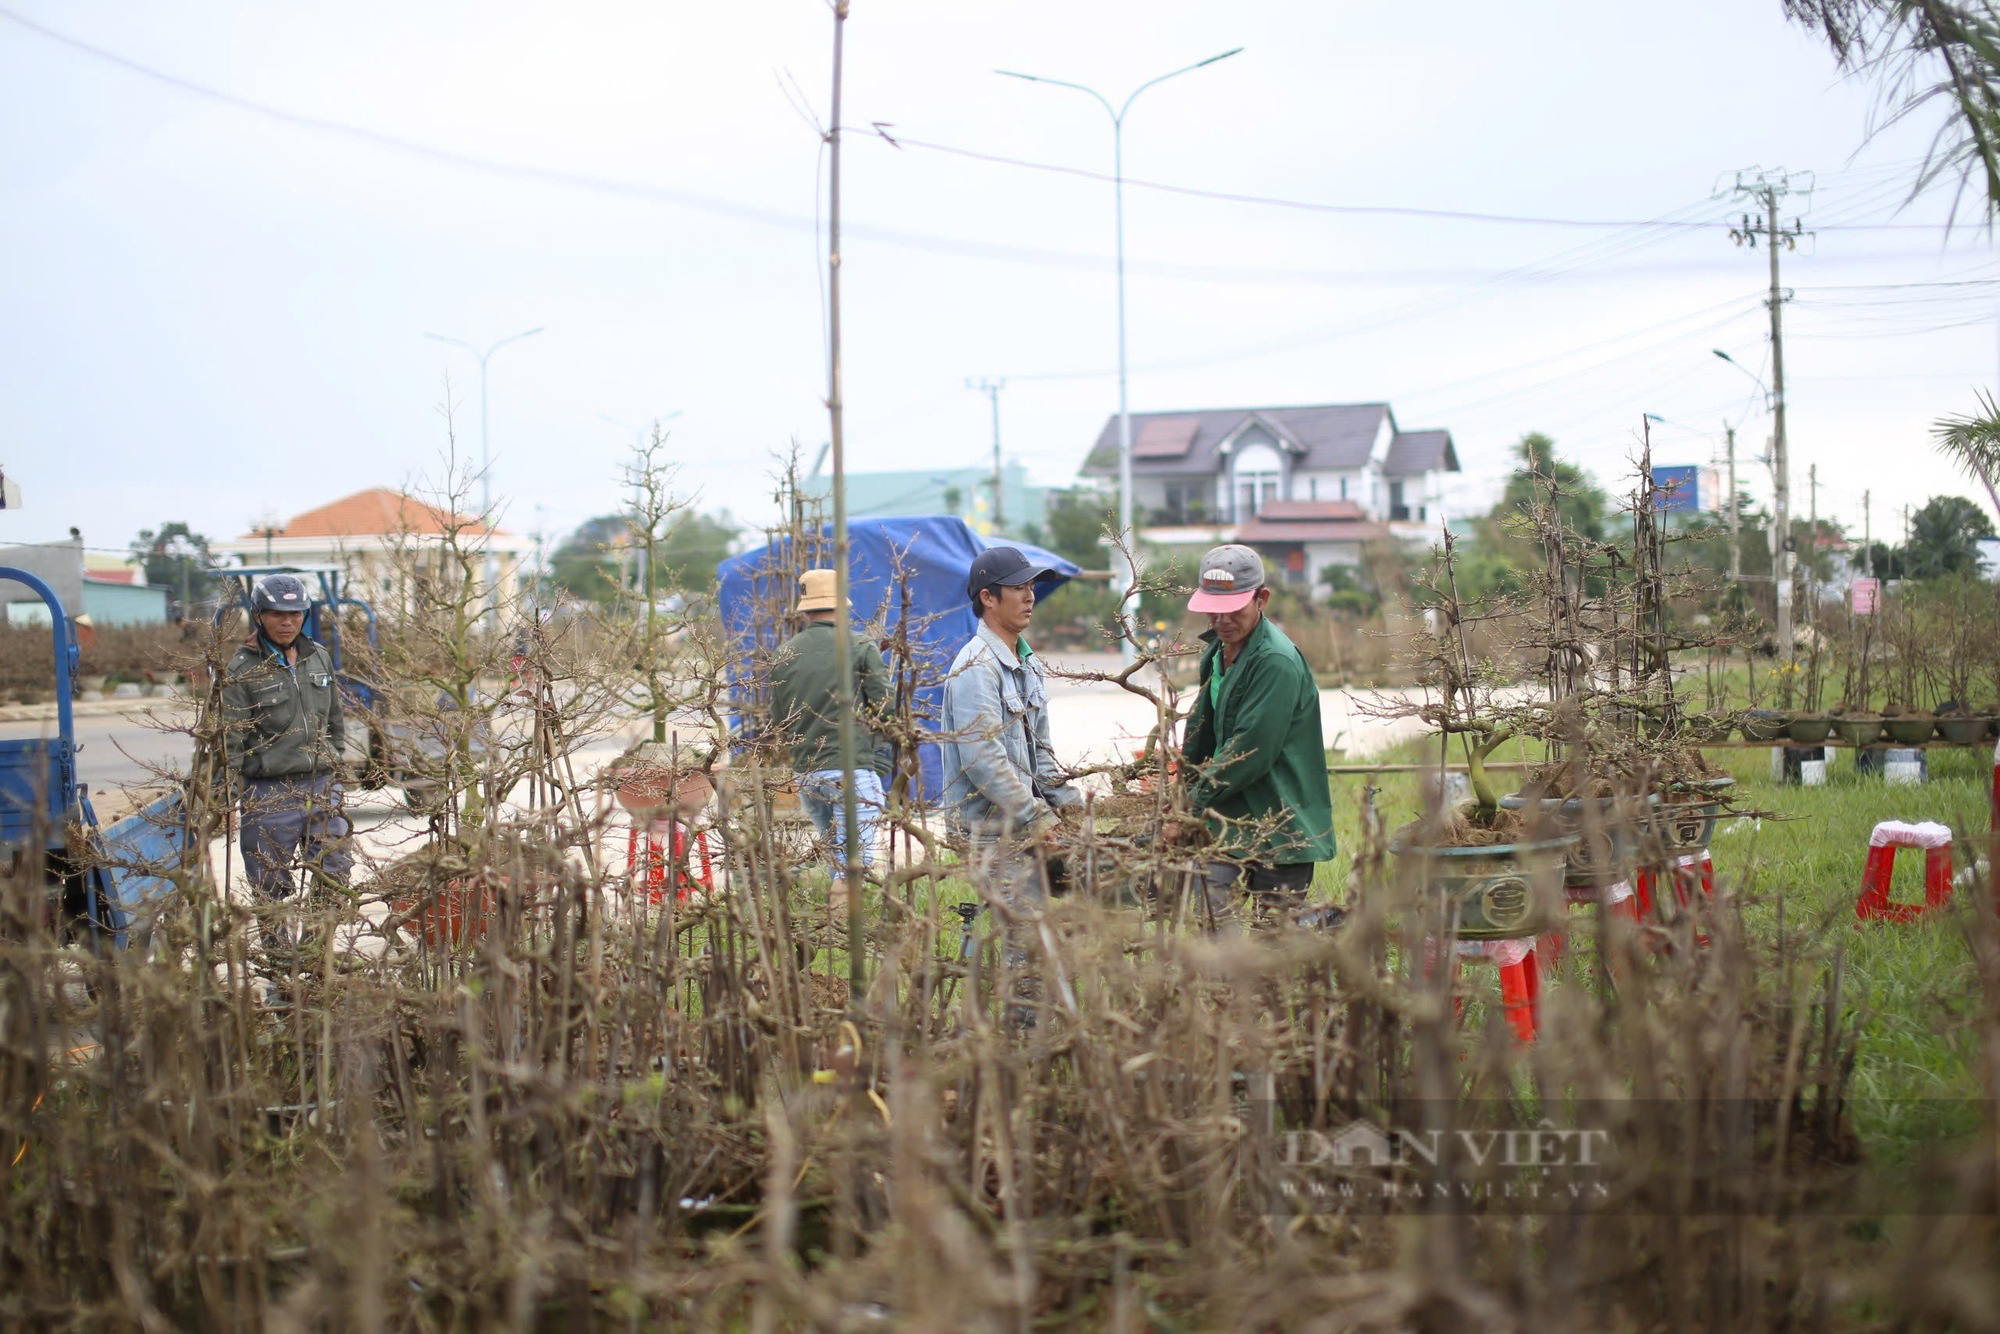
{"type": "Point", "coordinates": [1125, 534]}
{"type": "Point", "coordinates": [485, 455]}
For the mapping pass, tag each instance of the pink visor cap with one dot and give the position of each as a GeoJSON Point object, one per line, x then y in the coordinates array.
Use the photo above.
{"type": "Point", "coordinates": [1230, 577]}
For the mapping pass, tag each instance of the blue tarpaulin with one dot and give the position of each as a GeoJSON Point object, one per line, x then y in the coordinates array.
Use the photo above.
{"type": "Point", "coordinates": [936, 550]}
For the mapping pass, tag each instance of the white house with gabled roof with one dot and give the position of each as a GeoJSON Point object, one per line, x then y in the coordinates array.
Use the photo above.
{"type": "Point", "coordinates": [1308, 487]}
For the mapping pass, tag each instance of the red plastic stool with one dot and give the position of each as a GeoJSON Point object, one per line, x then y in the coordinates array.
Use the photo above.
{"type": "Point", "coordinates": [1620, 900]}
{"type": "Point", "coordinates": [1685, 874]}
{"type": "Point", "coordinates": [650, 867]}
{"type": "Point", "coordinates": [1520, 967]}
{"type": "Point", "coordinates": [1935, 840]}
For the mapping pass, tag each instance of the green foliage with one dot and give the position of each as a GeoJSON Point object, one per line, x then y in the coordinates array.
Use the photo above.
{"type": "Point", "coordinates": [1076, 520]}
{"type": "Point", "coordinates": [1580, 501]}
{"type": "Point", "coordinates": [177, 559]}
{"type": "Point", "coordinates": [1936, 51]}
{"type": "Point", "coordinates": [597, 561]}
{"type": "Point", "coordinates": [694, 547]}
{"type": "Point", "coordinates": [591, 562]}
{"type": "Point", "coordinates": [1944, 537]}
{"type": "Point", "coordinates": [1350, 590]}
{"type": "Point", "coordinates": [1501, 551]}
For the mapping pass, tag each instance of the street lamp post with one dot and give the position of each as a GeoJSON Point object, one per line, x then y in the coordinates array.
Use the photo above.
{"type": "Point", "coordinates": [1781, 553]}
{"type": "Point", "coordinates": [485, 455]}
{"type": "Point", "coordinates": [1126, 536]}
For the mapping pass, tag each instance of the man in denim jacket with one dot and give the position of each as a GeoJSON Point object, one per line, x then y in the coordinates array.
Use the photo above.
{"type": "Point", "coordinates": [1002, 782]}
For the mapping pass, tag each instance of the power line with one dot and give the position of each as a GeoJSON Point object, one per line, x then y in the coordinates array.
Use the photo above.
{"type": "Point", "coordinates": [750, 213]}
{"type": "Point", "coordinates": [882, 133]}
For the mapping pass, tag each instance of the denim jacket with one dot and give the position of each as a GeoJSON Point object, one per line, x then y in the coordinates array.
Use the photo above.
{"type": "Point", "coordinates": [994, 700]}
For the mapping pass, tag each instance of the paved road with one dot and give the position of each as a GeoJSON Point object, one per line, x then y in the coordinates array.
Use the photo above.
{"type": "Point", "coordinates": [1091, 721]}
{"type": "Point", "coordinates": [113, 751]}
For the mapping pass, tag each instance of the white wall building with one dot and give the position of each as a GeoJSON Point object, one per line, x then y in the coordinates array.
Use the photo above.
{"type": "Point", "coordinates": [386, 541]}
{"type": "Point", "coordinates": [1307, 486]}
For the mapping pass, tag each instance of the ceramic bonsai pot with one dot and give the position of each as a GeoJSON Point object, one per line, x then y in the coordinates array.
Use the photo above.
{"type": "Point", "coordinates": [1501, 891]}
{"type": "Point", "coordinates": [656, 779]}
{"type": "Point", "coordinates": [1606, 830]}
{"type": "Point", "coordinates": [1765, 724]}
{"type": "Point", "coordinates": [1810, 729]}
{"type": "Point", "coordinates": [1686, 818]}
{"type": "Point", "coordinates": [1857, 729]}
{"type": "Point", "coordinates": [1910, 729]}
{"type": "Point", "coordinates": [1961, 729]}
{"type": "Point", "coordinates": [1704, 728]}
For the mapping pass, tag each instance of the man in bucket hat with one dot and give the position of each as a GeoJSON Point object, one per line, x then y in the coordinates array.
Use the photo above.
{"type": "Point", "coordinates": [1253, 747]}
{"type": "Point", "coordinates": [805, 691]}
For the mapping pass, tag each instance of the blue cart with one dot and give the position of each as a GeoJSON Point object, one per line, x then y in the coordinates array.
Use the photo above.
{"type": "Point", "coordinates": [98, 881]}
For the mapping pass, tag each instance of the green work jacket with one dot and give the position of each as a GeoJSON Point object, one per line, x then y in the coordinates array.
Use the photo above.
{"type": "Point", "coordinates": [804, 691]}
{"type": "Point", "coordinates": [1258, 759]}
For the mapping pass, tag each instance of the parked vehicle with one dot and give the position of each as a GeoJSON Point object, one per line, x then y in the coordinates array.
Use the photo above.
{"type": "Point", "coordinates": [97, 881]}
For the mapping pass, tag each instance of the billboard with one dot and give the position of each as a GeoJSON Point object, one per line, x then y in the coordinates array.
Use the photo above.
{"type": "Point", "coordinates": [1679, 489]}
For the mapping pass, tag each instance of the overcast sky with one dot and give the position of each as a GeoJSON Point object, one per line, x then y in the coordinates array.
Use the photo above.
{"type": "Point", "coordinates": [216, 314]}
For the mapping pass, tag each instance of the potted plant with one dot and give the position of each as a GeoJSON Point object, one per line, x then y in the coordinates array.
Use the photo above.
{"type": "Point", "coordinates": [1854, 722]}
{"type": "Point", "coordinates": [1963, 640]}
{"type": "Point", "coordinates": [1809, 726]}
{"type": "Point", "coordinates": [663, 780]}
{"type": "Point", "coordinates": [1605, 817]}
{"type": "Point", "coordinates": [1493, 872]}
{"type": "Point", "coordinates": [1499, 877]}
{"type": "Point", "coordinates": [1908, 644]}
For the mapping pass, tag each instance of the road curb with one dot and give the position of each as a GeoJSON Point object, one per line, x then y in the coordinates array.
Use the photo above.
{"type": "Point", "coordinates": [94, 708]}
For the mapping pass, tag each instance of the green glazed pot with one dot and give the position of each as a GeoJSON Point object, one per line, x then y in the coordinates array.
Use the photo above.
{"type": "Point", "coordinates": [1686, 817]}
{"type": "Point", "coordinates": [1810, 729]}
{"type": "Point", "coordinates": [1765, 724]}
{"type": "Point", "coordinates": [1704, 728]}
{"type": "Point", "coordinates": [1910, 730]}
{"type": "Point", "coordinates": [1857, 731]}
{"type": "Point", "coordinates": [1606, 830]}
{"type": "Point", "coordinates": [1505, 891]}
{"type": "Point", "coordinates": [1962, 729]}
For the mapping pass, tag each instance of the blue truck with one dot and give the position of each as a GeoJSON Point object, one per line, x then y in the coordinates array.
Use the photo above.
{"type": "Point", "coordinates": [98, 881]}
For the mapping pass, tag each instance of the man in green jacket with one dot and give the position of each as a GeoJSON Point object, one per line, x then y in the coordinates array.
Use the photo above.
{"type": "Point", "coordinates": [285, 738]}
{"type": "Point", "coordinates": [804, 710]}
{"type": "Point", "coordinates": [1253, 746]}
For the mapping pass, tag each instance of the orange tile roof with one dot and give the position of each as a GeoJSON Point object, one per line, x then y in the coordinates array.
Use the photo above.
{"type": "Point", "coordinates": [376, 512]}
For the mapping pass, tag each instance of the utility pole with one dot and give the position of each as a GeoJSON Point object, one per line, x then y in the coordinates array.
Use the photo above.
{"type": "Point", "coordinates": [836, 409]}
{"type": "Point", "coordinates": [992, 388]}
{"type": "Point", "coordinates": [1735, 545]}
{"type": "Point", "coordinates": [1867, 537]}
{"type": "Point", "coordinates": [1767, 188]}
{"type": "Point", "coordinates": [1812, 534]}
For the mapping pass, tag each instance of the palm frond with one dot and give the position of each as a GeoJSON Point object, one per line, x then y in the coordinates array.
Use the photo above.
{"type": "Point", "coordinates": [1918, 51]}
{"type": "Point", "coordinates": [1973, 441]}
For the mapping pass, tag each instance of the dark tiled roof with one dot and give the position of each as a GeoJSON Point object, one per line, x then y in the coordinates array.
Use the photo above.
{"type": "Point", "coordinates": [1413, 453]}
{"type": "Point", "coordinates": [1163, 437]}
{"type": "Point", "coordinates": [1334, 436]}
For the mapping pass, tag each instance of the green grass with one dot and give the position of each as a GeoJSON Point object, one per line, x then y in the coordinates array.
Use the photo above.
{"type": "Point", "coordinates": [1911, 987]}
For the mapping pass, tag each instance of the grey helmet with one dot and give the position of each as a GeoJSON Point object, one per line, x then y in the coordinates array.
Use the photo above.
{"type": "Point", "coordinates": [279, 592]}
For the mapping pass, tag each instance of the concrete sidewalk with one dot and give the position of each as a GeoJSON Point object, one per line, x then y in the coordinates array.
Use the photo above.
{"type": "Point", "coordinates": [1095, 722]}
